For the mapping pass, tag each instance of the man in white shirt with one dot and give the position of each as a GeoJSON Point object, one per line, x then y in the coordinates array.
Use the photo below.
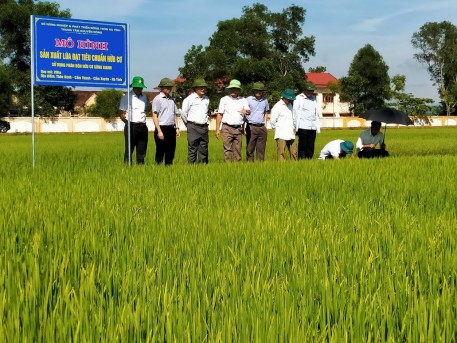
{"type": "Point", "coordinates": [195, 116]}
{"type": "Point", "coordinates": [307, 121]}
{"type": "Point", "coordinates": [282, 121]}
{"type": "Point", "coordinates": [231, 114]}
{"type": "Point", "coordinates": [336, 149]}
{"type": "Point", "coordinates": [136, 119]}
{"type": "Point", "coordinates": [166, 129]}
{"type": "Point", "coordinates": [369, 139]}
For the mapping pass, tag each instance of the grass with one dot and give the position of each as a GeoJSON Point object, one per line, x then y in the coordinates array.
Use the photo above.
{"type": "Point", "coordinates": [351, 250]}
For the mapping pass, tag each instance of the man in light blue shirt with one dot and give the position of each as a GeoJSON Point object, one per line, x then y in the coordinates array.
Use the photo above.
{"type": "Point", "coordinates": [307, 121]}
{"type": "Point", "coordinates": [164, 117]}
{"type": "Point", "coordinates": [256, 129]}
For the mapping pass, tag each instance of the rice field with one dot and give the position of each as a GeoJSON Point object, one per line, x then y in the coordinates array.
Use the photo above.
{"type": "Point", "coordinates": [309, 251]}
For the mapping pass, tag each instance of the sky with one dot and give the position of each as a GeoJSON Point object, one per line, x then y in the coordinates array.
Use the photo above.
{"type": "Point", "coordinates": [161, 32]}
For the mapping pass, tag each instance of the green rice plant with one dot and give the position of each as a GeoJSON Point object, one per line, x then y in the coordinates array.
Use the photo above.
{"type": "Point", "coordinates": [350, 250]}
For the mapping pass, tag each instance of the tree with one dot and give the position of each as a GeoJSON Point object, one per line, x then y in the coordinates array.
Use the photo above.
{"type": "Point", "coordinates": [367, 83]}
{"type": "Point", "coordinates": [15, 51]}
{"type": "Point", "coordinates": [258, 46]}
{"type": "Point", "coordinates": [437, 43]}
{"type": "Point", "coordinates": [318, 69]}
{"type": "Point", "coordinates": [418, 108]}
{"type": "Point", "coordinates": [6, 90]}
{"type": "Point", "coordinates": [106, 104]}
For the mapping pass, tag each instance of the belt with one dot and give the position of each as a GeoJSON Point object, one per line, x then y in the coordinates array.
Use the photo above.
{"type": "Point", "coordinates": [197, 124]}
{"type": "Point", "coordinates": [137, 123]}
{"type": "Point", "coordinates": [258, 125]}
{"type": "Point", "coordinates": [234, 126]}
{"type": "Point", "coordinates": [171, 126]}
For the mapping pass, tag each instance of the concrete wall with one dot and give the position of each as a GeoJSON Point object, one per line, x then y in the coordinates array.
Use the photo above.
{"type": "Point", "coordinates": [94, 124]}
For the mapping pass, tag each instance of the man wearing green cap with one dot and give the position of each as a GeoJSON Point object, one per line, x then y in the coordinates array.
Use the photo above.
{"type": "Point", "coordinates": [336, 149]}
{"type": "Point", "coordinates": [230, 120]}
{"type": "Point", "coordinates": [282, 121]}
{"type": "Point", "coordinates": [136, 119]}
{"type": "Point", "coordinates": [256, 129]}
{"type": "Point", "coordinates": [307, 121]}
{"type": "Point", "coordinates": [166, 129]}
{"type": "Point", "coordinates": [194, 114]}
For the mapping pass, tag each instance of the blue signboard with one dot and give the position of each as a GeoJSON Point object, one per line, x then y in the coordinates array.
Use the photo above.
{"type": "Point", "coordinates": [74, 52]}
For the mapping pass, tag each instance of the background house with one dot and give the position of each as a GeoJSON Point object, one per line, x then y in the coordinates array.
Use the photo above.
{"type": "Point", "coordinates": [329, 103]}
{"type": "Point", "coordinates": [85, 99]}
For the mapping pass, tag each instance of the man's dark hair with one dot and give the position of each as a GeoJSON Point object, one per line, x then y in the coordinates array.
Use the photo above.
{"type": "Point", "coordinates": [376, 124]}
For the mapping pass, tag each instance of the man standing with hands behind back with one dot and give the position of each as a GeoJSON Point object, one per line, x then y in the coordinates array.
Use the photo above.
{"type": "Point", "coordinates": [307, 121]}
{"type": "Point", "coordinates": [136, 119]}
{"type": "Point", "coordinates": [166, 129]}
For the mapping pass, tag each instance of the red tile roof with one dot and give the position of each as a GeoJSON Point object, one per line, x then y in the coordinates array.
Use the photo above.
{"type": "Point", "coordinates": [321, 80]}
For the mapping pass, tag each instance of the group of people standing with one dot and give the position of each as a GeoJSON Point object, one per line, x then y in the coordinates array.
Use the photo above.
{"type": "Point", "coordinates": [293, 115]}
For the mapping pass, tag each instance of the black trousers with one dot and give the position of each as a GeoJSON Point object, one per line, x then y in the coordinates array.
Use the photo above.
{"type": "Point", "coordinates": [165, 149]}
{"type": "Point", "coordinates": [138, 140]}
{"type": "Point", "coordinates": [198, 140]}
{"type": "Point", "coordinates": [372, 153]}
{"type": "Point", "coordinates": [306, 140]}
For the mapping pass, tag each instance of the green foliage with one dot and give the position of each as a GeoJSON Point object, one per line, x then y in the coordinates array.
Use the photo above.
{"type": "Point", "coordinates": [367, 84]}
{"type": "Point", "coordinates": [437, 45]}
{"type": "Point", "coordinates": [258, 46]}
{"type": "Point", "coordinates": [6, 90]}
{"type": "Point", "coordinates": [418, 108]}
{"type": "Point", "coordinates": [106, 104]}
{"type": "Point", "coordinates": [318, 69]}
{"type": "Point", "coordinates": [15, 50]}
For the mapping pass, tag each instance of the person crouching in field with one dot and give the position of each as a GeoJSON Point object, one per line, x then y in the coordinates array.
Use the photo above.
{"type": "Point", "coordinates": [136, 120]}
{"type": "Point", "coordinates": [369, 139]}
{"type": "Point", "coordinates": [166, 129]}
{"type": "Point", "coordinates": [336, 149]}
{"type": "Point", "coordinates": [195, 117]}
{"type": "Point", "coordinates": [282, 121]}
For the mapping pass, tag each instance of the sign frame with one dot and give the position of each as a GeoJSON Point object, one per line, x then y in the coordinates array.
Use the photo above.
{"type": "Point", "coordinates": [79, 53]}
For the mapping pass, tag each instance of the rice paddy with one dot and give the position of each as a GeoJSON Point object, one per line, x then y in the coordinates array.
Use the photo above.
{"type": "Point", "coordinates": [338, 251]}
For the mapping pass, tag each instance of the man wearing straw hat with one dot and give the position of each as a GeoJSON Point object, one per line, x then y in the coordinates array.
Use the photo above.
{"type": "Point", "coordinates": [195, 116]}
{"type": "Point", "coordinates": [230, 120]}
{"type": "Point", "coordinates": [166, 129]}
{"type": "Point", "coordinates": [256, 129]}
{"type": "Point", "coordinates": [136, 119]}
{"type": "Point", "coordinates": [282, 121]}
{"type": "Point", "coordinates": [307, 121]}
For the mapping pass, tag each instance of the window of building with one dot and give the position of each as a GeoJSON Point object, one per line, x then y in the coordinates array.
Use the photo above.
{"type": "Point", "coordinates": [327, 98]}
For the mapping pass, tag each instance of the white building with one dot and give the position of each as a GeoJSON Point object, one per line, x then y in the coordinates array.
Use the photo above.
{"type": "Point", "coordinates": [329, 103]}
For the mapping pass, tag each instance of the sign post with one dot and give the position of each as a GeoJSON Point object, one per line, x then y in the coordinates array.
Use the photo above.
{"type": "Point", "coordinates": [78, 53]}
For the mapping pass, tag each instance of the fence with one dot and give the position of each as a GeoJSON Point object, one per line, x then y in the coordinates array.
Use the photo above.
{"type": "Point", "coordinates": [95, 124]}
